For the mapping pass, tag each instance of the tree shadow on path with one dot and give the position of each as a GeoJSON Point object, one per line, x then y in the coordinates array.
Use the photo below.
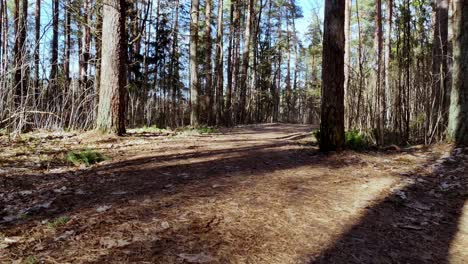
{"type": "Point", "coordinates": [414, 225]}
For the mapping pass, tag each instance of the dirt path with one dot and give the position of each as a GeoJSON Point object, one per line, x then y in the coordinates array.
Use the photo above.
{"type": "Point", "coordinates": [254, 194]}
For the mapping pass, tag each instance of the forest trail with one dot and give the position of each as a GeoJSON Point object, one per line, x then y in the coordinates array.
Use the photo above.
{"type": "Point", "coordinates": [252, 194]}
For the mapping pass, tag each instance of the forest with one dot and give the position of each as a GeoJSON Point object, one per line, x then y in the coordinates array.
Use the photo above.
{"type": "Point", "coordinates": [234, 131]}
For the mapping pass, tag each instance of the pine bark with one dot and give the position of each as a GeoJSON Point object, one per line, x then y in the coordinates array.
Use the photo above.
{"type": "Point", "coordinates": [347, 58]}
{"type": "Point", "coordinates": [20, 27]}
{"type": "Point", "coordinates": [440, 91]}
{"type": "Point", "coordinates": [194, 86]}
{"type": "Point", "coordinates": [379, 94]}
{"type": "Point", "coordinates": [111, 109]}
{"type": "Point", "coordinates": [332, 109]}
{"type": "Point", "coordinates": [208, 65]}
{"type": "Point", "coordinates": [245, 62]}
{"type": "Point", "coordinates": [388, 55]}
{"type": "Point", "coordinates": [219, 65]}
{"type": "Point", "coordinates": [53, 79]}
{"type": "Point", "coordinates": [85, 55]}
{"type": "Point", "coordinates": [458, 116]}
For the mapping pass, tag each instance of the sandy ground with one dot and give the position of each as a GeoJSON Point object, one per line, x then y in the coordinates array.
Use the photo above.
{"type": "Point", "coordinates": [253, 194]}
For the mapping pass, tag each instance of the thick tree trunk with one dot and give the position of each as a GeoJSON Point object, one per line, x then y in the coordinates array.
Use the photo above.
{"type": "Point", "coordinates": [332, 112]}
{"type": "Point", "coordinates": [458, 117]}
{"type": "Point", "coordinates": [194, 86]}
{"type": "Point", "coordinates": [111, 110]}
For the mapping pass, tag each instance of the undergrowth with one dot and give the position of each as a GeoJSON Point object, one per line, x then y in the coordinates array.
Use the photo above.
{"type": "Point", "coordinates": [198, 130]}
{"type": "Point", "coordinates": [57, 222]}
{"type": "Point", "coordinates": [354, 139]}
{"type": "Point", "coordinates": [207, 130]}
{"type": "Point", "coordinates": [149, 129]}
{"type": "Point", "coordinates": [31, 260]}
{"type": "Point", "coordinates": [86, 157]}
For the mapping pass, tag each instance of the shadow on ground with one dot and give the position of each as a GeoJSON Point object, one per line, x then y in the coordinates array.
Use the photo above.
{"type": "Point", "coordinates": [414, 225]}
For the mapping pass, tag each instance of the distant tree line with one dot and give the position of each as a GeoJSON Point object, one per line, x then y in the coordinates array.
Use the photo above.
{"type": "Point", "coordinates": [393, 69]}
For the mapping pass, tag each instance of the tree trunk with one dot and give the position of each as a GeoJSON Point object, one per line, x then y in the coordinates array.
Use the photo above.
{"type": "Point", "coordinates": [439, 106]}
{"type": "Point", "coordinates": [288, 71]}
{"type": "Point", "coordinates": [332, 110]}
{"type": "Point", "coordinates": [208, 67]}
{"type": "Point", "coordinates": [276, 97]}
{"type": "Point", "coordinates": [194, 88]}
{"type": "Point", "coordinates": [360, 85]}
{"type": "Point", "coordinates": [66, 59]}
{"type": "Point", "coordinates": [228, 109]}
{"type": "Point", "coordinates": [388, 56]}
{"type": "Point", "coordinates": [458, 116]}
{"type": "Point", "coordinates": [219, 64]}
{"type": "Point", "coordinates": [175, 66]}
{"type": "Point", "coordinates": [379, 95]}
{"type": "Point", "coordinates": [347, 58]}
{"type": "Point", "coordinates": [52, 89]}
{"type": "Point", "coordinates": [98, 48]}
{"type": "Point", "coordinates": [111, 110]}
{"type": "Point", "coordinates": [86, 45]}
{"type": "Point", "coordinates": [245, 61]}
{"type": "Point", "coordinates": [37, 29]}
{"type": "Point", "coordinates": [20, 26]}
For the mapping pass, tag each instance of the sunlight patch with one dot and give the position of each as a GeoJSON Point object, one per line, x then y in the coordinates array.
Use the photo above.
{"type": "Point", "coordinates": [459, 246]}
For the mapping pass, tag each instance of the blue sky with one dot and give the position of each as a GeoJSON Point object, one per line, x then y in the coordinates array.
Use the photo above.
{"type": "Point", "coordinates": [308, 7]}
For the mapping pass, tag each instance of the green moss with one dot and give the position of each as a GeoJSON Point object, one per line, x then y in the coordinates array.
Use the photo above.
{"type": "Point", "coordinates": [86, 157]}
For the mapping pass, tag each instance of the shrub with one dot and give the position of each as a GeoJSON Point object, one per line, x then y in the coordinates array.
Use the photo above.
{"type": "Point", "coordinates": [86, 157]}
{"type": "Point", "coordinates": [355, 140]}
{"type": "Point", "coordinates": [316, 134]}
{"type": "Point", "coordinates": [207, 130]}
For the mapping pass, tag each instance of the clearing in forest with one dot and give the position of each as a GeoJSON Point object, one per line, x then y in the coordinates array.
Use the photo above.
{"type": "Point", "coordinates": [252, 194]}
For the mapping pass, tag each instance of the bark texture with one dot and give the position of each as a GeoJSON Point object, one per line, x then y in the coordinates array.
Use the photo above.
{"type": "Point", "coordinates": [458, 117]}
{"type": "Point", "coordinates": [111, 110]}
{"type": "Point", "coordinates": [332, 110]}
{"type": "Point", "coordinates": [194, 86]}
{"type": "Point", "coordinates": [440, 91]}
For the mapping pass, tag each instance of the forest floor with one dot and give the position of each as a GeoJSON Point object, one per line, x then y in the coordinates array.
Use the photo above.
{"type": "Point", "coordinates": [252, 194]}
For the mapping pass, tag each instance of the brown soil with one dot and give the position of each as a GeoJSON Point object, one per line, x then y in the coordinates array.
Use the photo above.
{"type": "Point", "coordinates": [253, 194]}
